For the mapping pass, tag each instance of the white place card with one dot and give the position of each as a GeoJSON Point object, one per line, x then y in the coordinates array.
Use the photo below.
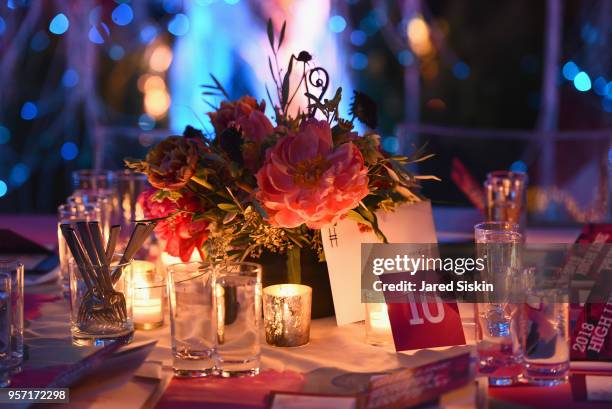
{"type": "Point", "coordinates": [410, 223]}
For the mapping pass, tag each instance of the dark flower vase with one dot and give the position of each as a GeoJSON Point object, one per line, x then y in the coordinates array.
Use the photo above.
{"type": "Point", "coordinates": [314, 274]}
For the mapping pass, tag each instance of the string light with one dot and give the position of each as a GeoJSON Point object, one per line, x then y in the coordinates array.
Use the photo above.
{"type": "Point", "coordinates": [337, 24]}
{"type": "Point", "coordinates": [69, 151]}
{"type": "Point", "coordinates": [3, 188]}
{"type": "Point", "coordinates": [59, 24]}
{"type": "Point", "coordinates": [19, 174]}
{"type": "Point", "coordinates": [161, 58]}
{"type": "Point", "coordinates": [582, 82]}
{"type": "Point", "coordinates": [122, 15]}
{"type": "Point", "coordinates": [5, 135]}
{"type": "Point", "coordinates": [418, 35]}
{"type": "Point", "coordinates": [358, 38]}
{"type": "Point", "coordinates": [179, 25]}
{"type": "Point", "coordinates": [29, 111]}
{"type": "Point", "coordinates": [70, 78]}
{"type": "Point", "coordinates": [359, 61]}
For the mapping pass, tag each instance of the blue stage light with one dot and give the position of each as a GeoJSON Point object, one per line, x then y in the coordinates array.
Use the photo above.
{"type": "Point", "coordinates": [70, 78]}
{"type": "Point", "coordinates": [145, 122]}
{"type": "Point", "coordinates": [96, 35]}
{"type": "Point", "coordinates": [122, 15]}
{"type": "Point", "coordinates": [518, 166]}
{"type": "Point", "coordinates": [358, 38]}
{"type": "Point", "coordinates": [148, 34]}
{"type": "Point", "coordinates": [359, 61]}
{"type": "Point", "coordinates": [3, 188]}
{"type": "Point", "coordinates": [5, 135]}
{"type": "Point", "coordinates": [2, 26]}
{"type": "Point", "coordinates": [40, 41]}
{"type": "Point", "coordinates": [179, 25]}
{"type": "Point", "coordinates": [390, 144]}
{"type": "Point", "coordinates": [59, 25]}
{"type": "Point", "coordinates": [116, 52]}
{"type": "Point", "coordinates": [337, 24]}
{"type": "Point", "coordinates": [19, 174]}
{"type": "Point", "coordinates": [29, 111]}
{"type": "Point", "coordinates": [582, 82]}
{"type": "Point", "coordinates": [69, 151]}
{"type": "Point", "coordinates": [405, 58]}
{"type": "Point", "coordinates": [599, 86]}
{"type": "Point", "coordinates": [171, 6]}
{"type": "Point", "coordinates": [461, 70]}
{"type": "Point", "coordinates": [570, 70]}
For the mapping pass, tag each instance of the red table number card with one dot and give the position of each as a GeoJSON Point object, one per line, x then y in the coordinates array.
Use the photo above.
{"type": "Point", "coordinates": [416, 324]}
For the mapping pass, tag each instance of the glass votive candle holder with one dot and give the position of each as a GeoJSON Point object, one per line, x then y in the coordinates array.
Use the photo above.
{"type": "Point", "coordinates": [149, 288]}
{"type": "Point", "coordinates": [287, 309]}
{"type": "Point", "coordinates": [377, 324]}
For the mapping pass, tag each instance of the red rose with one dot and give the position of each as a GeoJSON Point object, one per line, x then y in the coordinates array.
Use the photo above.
{"type": "Point", "coordinates": [179, 233]}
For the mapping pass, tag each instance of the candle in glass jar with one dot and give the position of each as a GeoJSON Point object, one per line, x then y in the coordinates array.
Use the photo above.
{"type": "Point", "coordinates": [287, 309]}
{"type": "Point", "coordinates": [378, 326]}
{"type": "Point", "coordinates": [148, 305]}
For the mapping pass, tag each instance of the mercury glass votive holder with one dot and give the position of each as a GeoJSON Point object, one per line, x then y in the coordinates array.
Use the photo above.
{"type": "Point", "coordinates": [287, 309]}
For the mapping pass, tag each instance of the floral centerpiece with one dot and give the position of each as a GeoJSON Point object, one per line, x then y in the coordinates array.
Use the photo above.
{"type": "Point", "coordinates": [258, 184]}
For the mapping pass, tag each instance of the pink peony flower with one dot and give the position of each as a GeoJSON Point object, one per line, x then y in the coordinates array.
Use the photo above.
{"type": "Point", "coordinates": [246, 114]}
{"type": "Point", "coordinates": [304, 180]}
{"type": "Point", "coordinates": [179, 233]}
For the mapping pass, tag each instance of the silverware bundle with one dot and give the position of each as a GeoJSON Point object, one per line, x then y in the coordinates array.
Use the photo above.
{"type": "Point", "coordinates": [101, 302]}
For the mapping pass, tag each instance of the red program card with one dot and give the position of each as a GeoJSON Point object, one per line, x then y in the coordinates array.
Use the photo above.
{"type": "Point", "coordinates": [416, 324]}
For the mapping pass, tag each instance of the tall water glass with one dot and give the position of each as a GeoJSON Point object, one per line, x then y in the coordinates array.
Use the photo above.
{"type": "Point", "coordinates": [505, 197]}
{"type": "Point", "coordinates": [193, 323]}
{"type": "Point", "coordinates": [129, 186]}
{"type": "Point", "coordinates": [238, 294]}
{"type": "Point", "coordinates": [72, 213]}
{"type": "Point", "coordinates": [497, 314]}
{"type": "Point", "coordinates": [5, 329]}
{"type": "Point", "coordinates": [101, 198]}
{"type": "Point", "coordinates": [93, 179]}
{"type": "Point", "coordinates": [14, 269]}
{"type": "Point", "coordinates": [545, 331]}
{"type": "Point", "coordinates": [98, 181]}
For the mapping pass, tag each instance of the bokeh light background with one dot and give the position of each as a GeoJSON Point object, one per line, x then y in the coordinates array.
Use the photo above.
{"type": "Point", "coordinates": [86, 83]}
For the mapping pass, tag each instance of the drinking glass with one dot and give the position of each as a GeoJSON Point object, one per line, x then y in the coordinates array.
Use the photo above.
{"type": "Point", "coordinates": [193, 323]}
{"type": "Point", "coordinates": [497, 314]}
{"type": "Point", "coordinates": [100, 198]}
{"type": "Point", "coordinates": [14, 270]}
{"type": "Point", "coordinates": [505, 197]}
{"type": "Point", "coordinates": [129, 186]}
{"type": "Point", "coordinates": [93, 179]}
{"type": "Point", "coordinates": [238, 302]}
{"type": "Point", "coordinates": [72, 213]}
{"type": "Point", "coordinates": [5, 329]}
{"type": "Point", "coordinates": [545, 334]}
{"type": "Point", "coordinates": [100, 315]}
{"type": "Point", "coordinates": [99, 181]}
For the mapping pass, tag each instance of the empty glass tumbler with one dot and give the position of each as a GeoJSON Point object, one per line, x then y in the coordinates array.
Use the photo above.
{"type": "Point", "coordinates": [14, 270]}
{"type": "Point", "coordinates": [545, 331]}
{"type": "Point", "coordinates": [497, 314]}
{"type": "Point", "coordinates": [238, 302]}
{"type": "Point", "coordinates": [193, 322]}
